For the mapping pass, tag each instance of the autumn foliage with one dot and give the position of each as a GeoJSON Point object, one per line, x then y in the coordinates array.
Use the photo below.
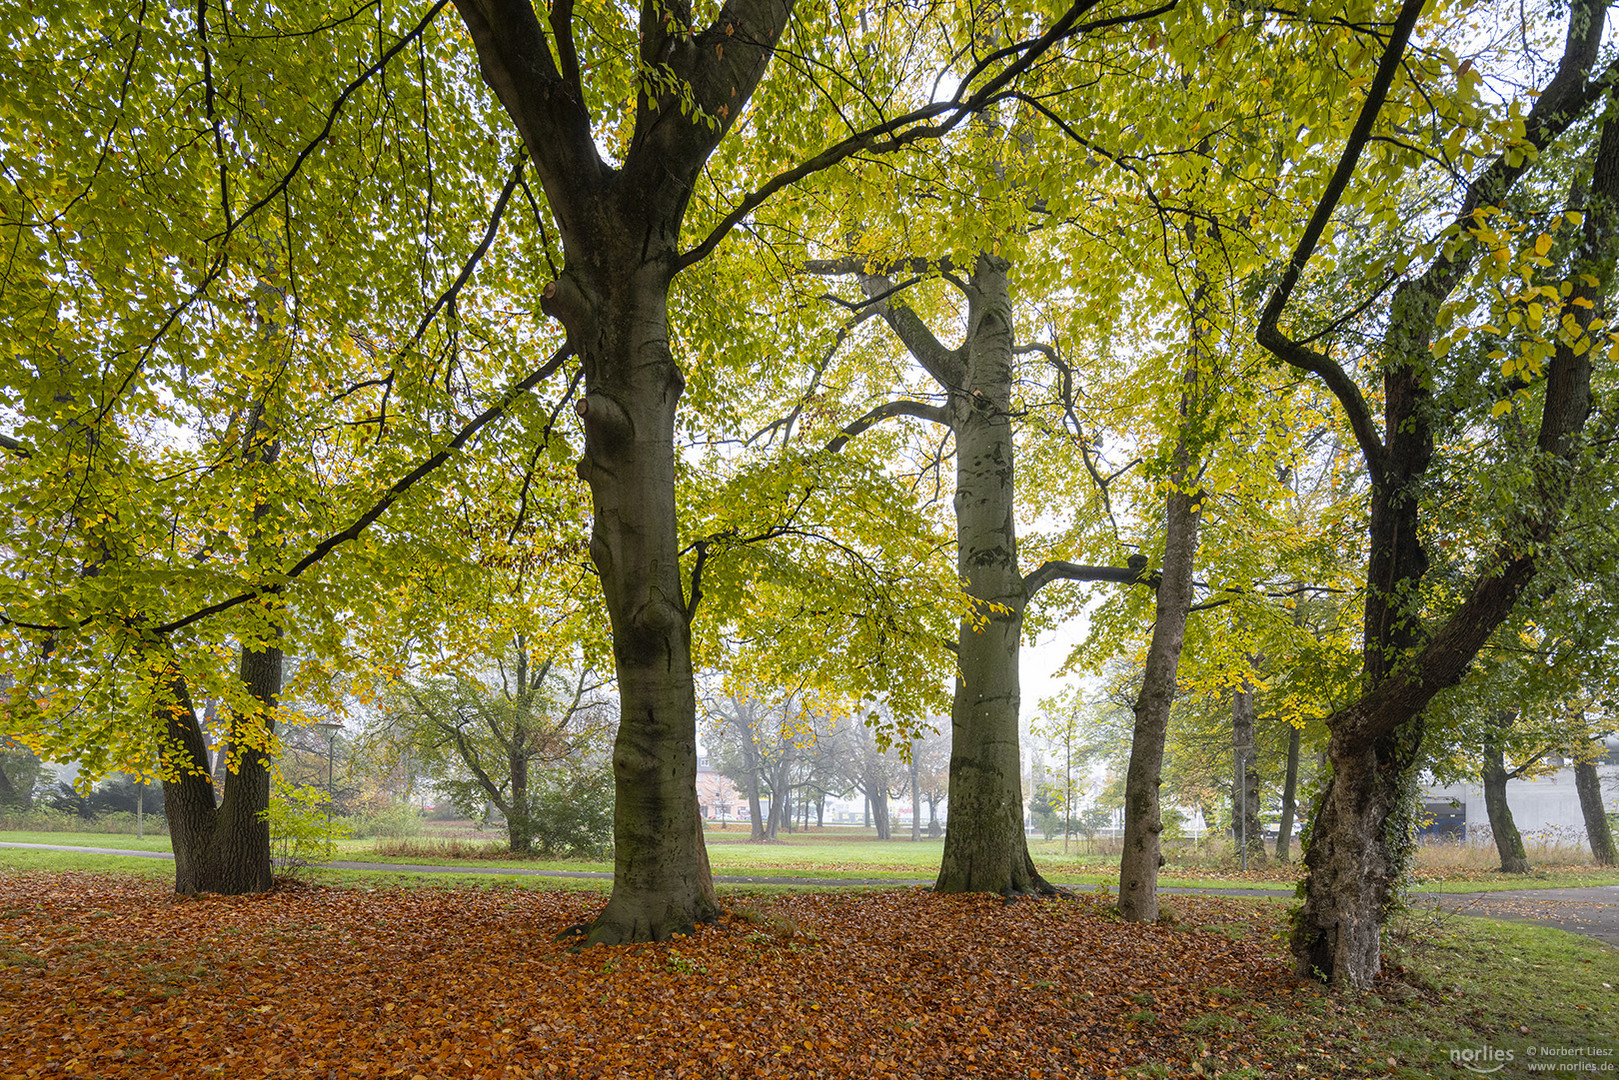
{"type": "Point", "coordinates": [114, 977]}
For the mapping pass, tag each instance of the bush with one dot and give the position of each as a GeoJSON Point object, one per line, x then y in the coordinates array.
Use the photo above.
{"type": "Point", "coordinates": [572, 812]}
{"type": "Point", "coordinates": [47, 819]}
{"type": "Point", "coordinates": [299, 830]}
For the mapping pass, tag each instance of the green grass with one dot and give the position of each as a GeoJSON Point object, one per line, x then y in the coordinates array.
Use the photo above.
{"type": "Point", "coordinates": [22, 860]}
{"type": "Point", "coordinates": [853, 857]}
{"type": "Point", "coordinates": [1451, 985]}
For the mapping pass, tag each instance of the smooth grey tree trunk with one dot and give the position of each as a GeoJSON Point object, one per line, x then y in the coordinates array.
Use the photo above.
{"type": "Point", "coordinates": [985, 849]}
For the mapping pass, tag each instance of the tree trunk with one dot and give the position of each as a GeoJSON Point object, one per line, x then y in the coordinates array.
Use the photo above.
{"type": "Point", "coordinates": [1143, 825]}
{"type": "Point", "coordinates": [223, 848]}
{"type": "Point", "coordinates": [985, 849]}
{"type": "Point", "coordinates": [661, 881]}
{"type": "Point", "coordinates": [1290, 796]}
{"type": "Point", "coordinates": [620, 229]}
{"type": "Point", "coordinates": [755, 813]}
{"type": "Point", "coordinates": [1588, 783]}
{"type": "Point", "coordinates": [1246, 828]}
{"type": "Point", "coordinates": [8, 793]}
{"type": "Point", "coordinates": [1508, 842]}
{"type": "Point", "coordinates": [878, 798]}
{"type": "Point", "coordinates": [1359, 841]}
{"type": "Point", "coordinates": [1362, 832]}
{"type": "Point", "coordinates": [916, 799]}
{"type": "Point", "coordinates": [519, 826]}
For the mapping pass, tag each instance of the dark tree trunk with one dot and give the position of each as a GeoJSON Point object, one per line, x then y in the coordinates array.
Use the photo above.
{"type": "Point", "coordinates": [1508, 842]}
{"type": "Point", "coordinates": [877, 796]}
{"type": "Point", "coordinates": [1290, 797]}
{"type": "Point", "coordinates": [1361, 835]}
{"type": "Point", "coordinates": [224, 847]}
{"type": "Point", "coordinates": [756, 819]}
{"type": "Point", "coordinates": [620, 230]}
{"type": "Point", "coordinates": [1246, 828]}
{"type": "Point", "coordinates": [8, 792]}
{"type": "Point", "coordinates": [1588, 783]}
{"type": "Point", "coordinates": [519, 825]}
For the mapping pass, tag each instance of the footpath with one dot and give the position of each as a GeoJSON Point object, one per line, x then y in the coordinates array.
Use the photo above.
{"type": "Point", "coordinates": [1592, 912]}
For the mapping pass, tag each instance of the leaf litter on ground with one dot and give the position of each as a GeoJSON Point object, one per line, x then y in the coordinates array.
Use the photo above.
{"type": "Point", "coordinates": [116, 977]}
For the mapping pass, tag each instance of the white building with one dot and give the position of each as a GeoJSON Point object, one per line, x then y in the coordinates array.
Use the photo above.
{"type": "Point", "coordinates": [1545, 806]}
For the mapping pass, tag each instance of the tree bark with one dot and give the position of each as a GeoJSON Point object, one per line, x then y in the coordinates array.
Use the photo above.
{"type": "Point", "coordinates": [1143, 823]}
{"type": "Point", "coordinates": [985, 849]}
{"type": "Point", "coordinates": [1508, 842]}
{"type": "Point", "coordinates": [661, 881]}
{"type": "Point", "coordinates": [1588, 784]}
{"type": "Point", "coordinates": [1362, 832]}
{"type": "Point", "coordinates": [1290, 789]}
{"type": "Point", "coordinates": [877, 798]}
{"type": "Point", "coordinates": [620, 230]}
{"type": "Point", "coordinates": [1246, 828]}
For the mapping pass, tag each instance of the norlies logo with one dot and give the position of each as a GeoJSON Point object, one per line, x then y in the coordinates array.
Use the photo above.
{"type": "Point", "coordinates": [1484, 1060]}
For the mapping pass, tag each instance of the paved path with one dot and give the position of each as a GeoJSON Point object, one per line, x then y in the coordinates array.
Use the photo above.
{"type": "Point", "coordinates": [1593, 912]}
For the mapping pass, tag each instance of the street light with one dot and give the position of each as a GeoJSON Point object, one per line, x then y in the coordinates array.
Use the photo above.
{"type": "Point", "coordinates": [331, 752]}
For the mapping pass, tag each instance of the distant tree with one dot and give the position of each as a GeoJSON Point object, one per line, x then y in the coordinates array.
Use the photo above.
{"type": "Point", "coordinates": [20, 771]}
{"type": "Point", "coordinates": [526, 738]}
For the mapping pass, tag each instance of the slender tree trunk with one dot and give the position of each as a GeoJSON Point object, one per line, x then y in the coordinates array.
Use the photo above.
{"type": "Point", "coordinates": [1290, 796]}
{"type": "Point", "coordinates": [1508, 842]}
{"type": "Point", "coordinates": [1588, 784]}
{"type": "Point", "coordinates": [1143, 824]}
{"type": "Point", "coordinates": [916, 799]}
{"type": "Point", "coordinates": [1246, 827]}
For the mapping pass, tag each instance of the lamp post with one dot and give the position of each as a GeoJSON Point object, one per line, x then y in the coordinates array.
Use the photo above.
{"type": "Point", "coordinates": [331, 753]}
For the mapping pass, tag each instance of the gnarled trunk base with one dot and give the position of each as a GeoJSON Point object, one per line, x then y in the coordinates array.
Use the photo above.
{"type": "Point", "coordinates": [1353, 856]}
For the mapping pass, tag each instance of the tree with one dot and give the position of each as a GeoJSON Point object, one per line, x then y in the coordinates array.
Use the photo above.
{"type": "Point", "coordinates": [1429, 389]}
{"type": "Point", "coordinates": [760, 747]}
{"type": "Point", "coordinates": [19, 775]}
{"type": "Point", "coordinates": [525, 736]}
{"type": "Point", "coordinates": [1588, 784]}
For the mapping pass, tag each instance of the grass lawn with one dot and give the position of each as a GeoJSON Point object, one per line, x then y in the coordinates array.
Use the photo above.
{"type": "Point", "coordinates": [834, 855]}
{"type": "Point", "coordinates": [108, 975]}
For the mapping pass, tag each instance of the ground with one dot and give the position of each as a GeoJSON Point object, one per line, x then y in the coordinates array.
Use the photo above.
{"type": "Point", "coordinates": [111, 976]}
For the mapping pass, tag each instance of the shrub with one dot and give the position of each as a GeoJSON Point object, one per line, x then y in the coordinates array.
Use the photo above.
{"type": "Point", "coordinates": [299, 830]}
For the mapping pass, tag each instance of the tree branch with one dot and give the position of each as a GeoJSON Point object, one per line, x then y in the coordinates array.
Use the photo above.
{"type": "Point", "coordinates": [887, 411]}
{"type": "Point", "coordinates": [1056, 570]}
{"type": "Point", "coordinates": [377, 509]}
